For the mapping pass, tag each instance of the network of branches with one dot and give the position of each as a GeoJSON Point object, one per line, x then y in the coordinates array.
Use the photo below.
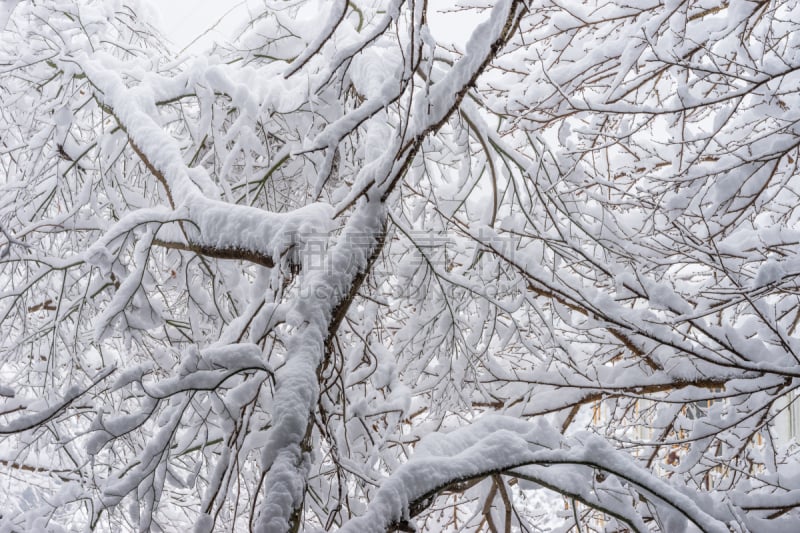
{"type": "Point", "coordinates": [344, 273]}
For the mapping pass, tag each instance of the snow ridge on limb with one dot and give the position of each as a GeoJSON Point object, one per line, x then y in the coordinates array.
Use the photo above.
{"type": "Point", "coordinates": [285, 454]}
{"type": "Point", "coordinates": [219, 228]}
{"type": "Point", "coordinates": [496, 444]}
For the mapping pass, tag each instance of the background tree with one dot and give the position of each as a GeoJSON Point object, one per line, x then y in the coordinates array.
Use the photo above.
{"type": "Point", "coordinates": [338, 275]}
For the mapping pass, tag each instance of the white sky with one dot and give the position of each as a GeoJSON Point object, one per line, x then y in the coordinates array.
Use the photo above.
{"type": "Point", "coordinates": [184, 20]}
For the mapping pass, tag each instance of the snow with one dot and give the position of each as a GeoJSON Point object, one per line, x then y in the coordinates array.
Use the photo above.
{"type": "Point", "coordinates": [212, 222]}
{"type": "Point", "coordinates": [593, 237]}
{"type": "Point", "coordinates": [374, 68]}
{"type": "Point", "coordinates": [333, 19]}
{"type": "Point", "coordinates": [495, 444]}
{"type": "Point", "coordinates": [282, 457]}
{"type": "Point", "coordinates": [443, 93]}
{"type": "Point", "coordinates": [23, 422]}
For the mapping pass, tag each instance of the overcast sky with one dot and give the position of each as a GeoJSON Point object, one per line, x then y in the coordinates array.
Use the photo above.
{"type": "Point", "coordinates": [184, 20]}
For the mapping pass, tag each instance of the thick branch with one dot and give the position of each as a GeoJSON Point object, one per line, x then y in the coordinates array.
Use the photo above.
{"type": "Point", "coordinates": [239, 254]}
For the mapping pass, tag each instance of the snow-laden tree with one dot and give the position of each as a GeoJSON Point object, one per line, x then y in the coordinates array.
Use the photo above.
{"type": "Point", "coordinates": [340, 274]}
